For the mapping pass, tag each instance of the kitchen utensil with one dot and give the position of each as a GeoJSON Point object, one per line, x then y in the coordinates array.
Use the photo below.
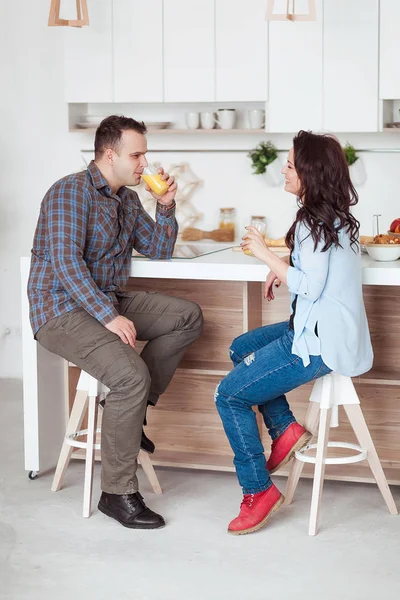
{"type": "Point", "coordinates": [192, 120]}
{"type": "Point", "coordinates": [226, 118]}
{"type": "Point", "coordinates": [191, 234]}
{"type": "Point", "coordinates": [383, 252]}
{"type": "Point", "coordinates": [256, 118]}
{"type": "Point", "coordinates": [207, 120]}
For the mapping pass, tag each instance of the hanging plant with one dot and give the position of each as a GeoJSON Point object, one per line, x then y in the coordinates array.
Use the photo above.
{"type": "Point", "coordinates": [263, 155]}
{"type": "Point", "coordinates": [350, 153]}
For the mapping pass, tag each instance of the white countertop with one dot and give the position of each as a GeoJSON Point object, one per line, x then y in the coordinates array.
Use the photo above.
{"type": "Point", "coordinates": [227, 265]}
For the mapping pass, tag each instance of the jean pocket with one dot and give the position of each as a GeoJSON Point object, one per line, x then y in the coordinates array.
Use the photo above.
{"type": "Point", "coordinates": [322, 370]}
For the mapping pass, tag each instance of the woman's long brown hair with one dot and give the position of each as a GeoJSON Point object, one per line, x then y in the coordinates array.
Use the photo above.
{"type": "Point", "coordinates": [326, 191]}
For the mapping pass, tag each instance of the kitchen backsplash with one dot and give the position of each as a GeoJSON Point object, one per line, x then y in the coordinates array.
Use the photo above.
{"type": "Point", "coordinates": [227, 180]}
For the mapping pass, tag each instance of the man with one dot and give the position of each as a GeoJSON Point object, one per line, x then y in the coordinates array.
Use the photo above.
{"type": "Point", "coordinates": [89, 223]}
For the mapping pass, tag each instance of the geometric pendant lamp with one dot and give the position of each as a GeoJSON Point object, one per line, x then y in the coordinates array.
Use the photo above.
{"type": "Point", "coordinates": [81, 13]}
{"type": "Point", "coordinates": [290, 13]}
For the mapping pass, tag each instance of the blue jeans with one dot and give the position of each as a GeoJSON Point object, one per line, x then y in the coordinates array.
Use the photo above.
{"type": "Point", "coordinates": [265, 370]}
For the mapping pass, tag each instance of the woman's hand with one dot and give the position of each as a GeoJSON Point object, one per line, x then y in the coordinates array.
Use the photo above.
{"type": "Point", "coordinates": [254, 241]}
{"type": "Point", "coordinates": [271, 282]}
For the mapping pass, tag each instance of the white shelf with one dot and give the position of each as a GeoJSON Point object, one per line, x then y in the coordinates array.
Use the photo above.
{"type": "Point", "coordinates": [167, 131]}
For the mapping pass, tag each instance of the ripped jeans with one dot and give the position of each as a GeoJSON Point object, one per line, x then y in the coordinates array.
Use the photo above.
{"type": "Point", "coordinates": [265, 370]}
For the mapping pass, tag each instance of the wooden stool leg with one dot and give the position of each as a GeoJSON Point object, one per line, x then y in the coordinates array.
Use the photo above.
{"type": "Point", "coordinates": [360, 428]}
{"type": "Point", "coordinates": [297, 465]}
{"type": "Point", "coordinates": [292, 480]}
{"type": "Point", "coordinates": [322, 444]}
{"type": "Point", "coordinates": [147, 466]}
{"type": "Point", "coordinates": [89, 462]}
{"type": "Point", "coordinates": [74, 424]}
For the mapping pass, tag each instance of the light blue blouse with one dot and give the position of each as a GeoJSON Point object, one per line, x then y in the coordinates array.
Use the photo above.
{"type": "Point", "coordinates": [329, 292]}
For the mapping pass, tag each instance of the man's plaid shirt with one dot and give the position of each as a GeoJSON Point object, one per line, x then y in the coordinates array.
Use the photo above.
{"type": "Point", "coordinates": [83, 243]}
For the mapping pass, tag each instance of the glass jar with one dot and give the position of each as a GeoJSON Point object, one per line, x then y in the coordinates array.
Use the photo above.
{"type": "Point", "coordinates": [227, 220]}
{"type": "Point", "coordinates": [259, 223]}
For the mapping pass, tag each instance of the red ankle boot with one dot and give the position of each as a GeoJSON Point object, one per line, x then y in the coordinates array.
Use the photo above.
{"type": "Point", "coordinates": [255, 511]}
{"type": "Point", "coordinates": [284, 447]}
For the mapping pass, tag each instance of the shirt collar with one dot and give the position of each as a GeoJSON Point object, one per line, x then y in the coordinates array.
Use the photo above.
{"type": "Point", "coordinates": [100, 182]}
{"type": "Point", "coordinates": [97, 178]}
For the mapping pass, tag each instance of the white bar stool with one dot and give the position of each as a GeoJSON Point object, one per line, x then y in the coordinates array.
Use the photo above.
{"type": "Point", "coordinates": [89, 392]}
{"type": "Point", "coordinates": [329, 392]}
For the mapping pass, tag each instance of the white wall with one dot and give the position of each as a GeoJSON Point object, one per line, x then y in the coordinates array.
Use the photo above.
{"type": "Point", "coordinates": [35, 150]}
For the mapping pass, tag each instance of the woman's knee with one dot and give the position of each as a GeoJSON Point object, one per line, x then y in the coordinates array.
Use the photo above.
{"type": "Point", "coordinates": [234, 350]}
{"type": "Point", "coordinates": [224, 391]}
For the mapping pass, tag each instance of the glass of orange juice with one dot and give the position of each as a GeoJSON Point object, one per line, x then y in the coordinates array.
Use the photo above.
{"type": "Point", "coordinates": [153, 180]}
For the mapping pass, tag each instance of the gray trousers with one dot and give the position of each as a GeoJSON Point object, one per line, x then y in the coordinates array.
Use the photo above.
{"type": "Point", "coordinates": [169, 325]}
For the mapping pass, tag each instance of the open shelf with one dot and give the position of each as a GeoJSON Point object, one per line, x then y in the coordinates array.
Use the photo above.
{"type": "Point", "coordinates": [167, 131]}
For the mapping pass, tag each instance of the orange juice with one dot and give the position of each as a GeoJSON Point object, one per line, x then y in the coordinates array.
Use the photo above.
{"type": "Point", "coordinates": [155, 183]}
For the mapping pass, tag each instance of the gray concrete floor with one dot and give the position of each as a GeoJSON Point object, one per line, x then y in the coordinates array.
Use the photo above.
{"type": "Point", "coordinates": [48, 551]}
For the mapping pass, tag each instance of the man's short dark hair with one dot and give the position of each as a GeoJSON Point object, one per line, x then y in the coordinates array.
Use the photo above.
{"type": "Point", "coordinates": [109, 133]}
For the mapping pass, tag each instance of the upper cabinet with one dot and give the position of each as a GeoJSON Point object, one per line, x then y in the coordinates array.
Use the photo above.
{"type": "Point", "coordinates": [88, 56]}
{"type": "Point", "coordinates": [189, 51]}
{"type": "Point", "coordinates": [350, 72]}
{"type": "Point", "coordinates": [168, 51]}
{"type": "Point", "coordinates": [389, 81]}
{"type": "Point", "coordinates": [295, 73]}
{"type": "Point", "coordinates": [138, 50]}
{"type": "Point", "coordinates": [324, 73]}
{"type": "Point", "coordinates": [241, 44]}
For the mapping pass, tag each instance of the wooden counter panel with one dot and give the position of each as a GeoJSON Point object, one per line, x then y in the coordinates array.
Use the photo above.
{"type": "Point", "coordinates": [382, 304]}
{"type": "Point", "coordinates": [186, 418]}
{"type": "Point", "coordinates": [209, 294]}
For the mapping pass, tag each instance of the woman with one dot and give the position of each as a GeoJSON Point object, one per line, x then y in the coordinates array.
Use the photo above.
{"type": "Point", "coordinates": [327, 330]}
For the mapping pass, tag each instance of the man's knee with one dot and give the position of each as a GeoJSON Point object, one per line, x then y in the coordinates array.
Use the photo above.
{"type": "Point", "coordinates": [133, 381]}
{"type": "Point", "coordinates": [194, 317]}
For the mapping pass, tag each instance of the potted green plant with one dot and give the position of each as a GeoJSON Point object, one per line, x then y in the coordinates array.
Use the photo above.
{"type": "Point", "coordinates": [356, 167]}
{"type": "Point", "coordinates": [264, 162]}
{"type": "Point", "coordinates": [350, 153]}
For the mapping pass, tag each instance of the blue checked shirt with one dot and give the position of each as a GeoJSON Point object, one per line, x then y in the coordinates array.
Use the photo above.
{"type": "Point", "coordinates": [83, 244]}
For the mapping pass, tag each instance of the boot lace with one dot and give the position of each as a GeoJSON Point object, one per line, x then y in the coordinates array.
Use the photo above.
{"type": "Point", "coordinates": [248, 500]}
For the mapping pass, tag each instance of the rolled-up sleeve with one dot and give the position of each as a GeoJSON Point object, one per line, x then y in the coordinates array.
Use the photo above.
{"type": "Point", "coordinates": [307, 279]}
{"type": "Point", "coordinates": [156, 239]}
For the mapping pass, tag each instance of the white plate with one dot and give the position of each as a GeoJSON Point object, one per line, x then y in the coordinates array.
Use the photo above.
{"type": "Point", "coordinates": [88, 125]}
{"type": "Point", "coordinates": [152, 125]}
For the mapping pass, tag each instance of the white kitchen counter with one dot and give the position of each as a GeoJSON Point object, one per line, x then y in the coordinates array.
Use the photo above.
{"type": "Point", "coordinates": [235, 266]}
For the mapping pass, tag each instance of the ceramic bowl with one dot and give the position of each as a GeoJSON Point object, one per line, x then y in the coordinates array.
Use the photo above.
{"type": "Point", "coordinates": [383, 252]}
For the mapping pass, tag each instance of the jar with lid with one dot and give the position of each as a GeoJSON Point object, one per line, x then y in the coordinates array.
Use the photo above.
{"type": "Point", "coordinates": [227, 220]}
{"type": "Point", "coordinates": [260, 223]}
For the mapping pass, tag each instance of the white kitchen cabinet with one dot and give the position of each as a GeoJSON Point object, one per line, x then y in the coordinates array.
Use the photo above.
{"type": "Point", "coordinates": [295, 73]}
{"type": "Point", "coordinates": [389, 66]}
{"type": "Point", "coordinates": [350, 75]}
{"type": "Point", "coordinates": [241, 43]}
{"type": "Point", "coordinates": [138, 51]}
{"type": "Point", "coordinates": [189, 51]}
{"type": "Point", "coordinates": [88, 55]}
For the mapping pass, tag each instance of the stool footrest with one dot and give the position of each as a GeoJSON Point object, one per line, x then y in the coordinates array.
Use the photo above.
{"type": "Point", "coordinates": [72, 441]}
{"type": "Point", "coordinates": [340, 460]}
